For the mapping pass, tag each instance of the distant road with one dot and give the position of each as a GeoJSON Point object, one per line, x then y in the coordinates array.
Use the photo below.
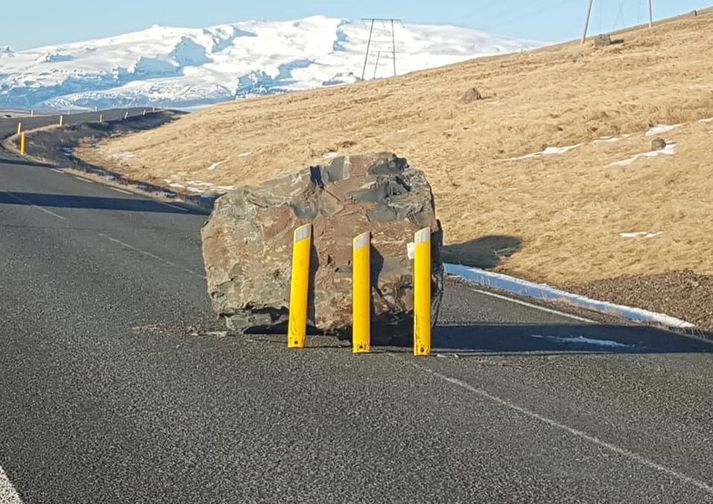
{"type": "Point", "coordinates": [9, 126]}
{"type": "Point", "coordinates": [113, 390]}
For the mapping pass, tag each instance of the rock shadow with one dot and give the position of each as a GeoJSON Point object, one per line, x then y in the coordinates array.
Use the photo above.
{"type": "Point", "coordinates": [485, 252]}
{"type": "Point", "coordinates": [313, 267]}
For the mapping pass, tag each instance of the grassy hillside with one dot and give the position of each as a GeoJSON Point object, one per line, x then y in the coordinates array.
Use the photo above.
{"type": "Point", "coordinates": [565, 216]}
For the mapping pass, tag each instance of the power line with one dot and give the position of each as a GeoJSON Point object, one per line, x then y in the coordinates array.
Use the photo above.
{"type": "Point", "coordinates": [589, 15]}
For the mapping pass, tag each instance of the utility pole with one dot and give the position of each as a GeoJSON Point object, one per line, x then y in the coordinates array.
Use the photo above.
{"type": "Point", "coordinates": [368, 45]}
{"type": "Point", "coordinates": [371, 35]}
{"type": "Point", "coordinates": [586, 21]}
{"type": "Point", "coordinates": [651, 15]}
{"type": "Point", "coordinates": [393, 43]}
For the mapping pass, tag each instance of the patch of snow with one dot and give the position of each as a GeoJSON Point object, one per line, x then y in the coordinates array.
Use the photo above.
{"type": "Point", "coordinates": [123, 156]}
{"type": "Point", "coordinates": [607, 139]}
{"type": "Point", "coordinates": [402, 130]}
{"type": "Point", "coordinates": [149, 67]}
{"type": "Point", "coordinates": [54, 58]}
{"type": "Point", "coordinates": [200, 187]}
{"type": "Point", "coordinates": [581, 340]}
{"type": "Point", "coordinates": [330, 155]}
{"type": "Point", "coordinates": [549, 151]}
{"type": "Point", "coordinates": [660, 129]}
{"type": "Point", "coordinates": [341, 78]}
{"type": "Point", "coordinates": [669, 150]}
{"type": "Point", "coordinates": [710, 119]}
{"type": "Point", "coordinates": [245, 154]}
{"type": "Point", "coordinates": [640, 234]}
{"type": "Point", "coordinates": [534, 290]}
{"type": "Point", "coordinates": [216, 165]}
{"type": "Point", "coordinates": [189, 53]}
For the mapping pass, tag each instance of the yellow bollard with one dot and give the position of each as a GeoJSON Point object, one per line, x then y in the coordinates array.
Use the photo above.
{"type": "Point", "coordinates": [301, 248]}
{"type": "Point", "coordinates": [422, 293]}
{"type": "Point", "coordinates": [361, 293]}
{"type": "Point", "coordinates": [19, 127]}
{"type": "Point", "coordinates": [61, 121]}
{"type": "Point", "coordinates": [22, 144]}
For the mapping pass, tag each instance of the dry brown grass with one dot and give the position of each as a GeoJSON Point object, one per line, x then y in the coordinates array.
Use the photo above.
{"type": "Point", "coordinates": [568, 209]}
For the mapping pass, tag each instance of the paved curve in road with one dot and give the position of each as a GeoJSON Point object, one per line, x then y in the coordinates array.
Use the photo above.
{"type": "Point", "coordinates": [113, 389]}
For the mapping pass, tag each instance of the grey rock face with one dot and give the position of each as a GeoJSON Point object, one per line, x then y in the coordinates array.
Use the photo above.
{"type": "Point", "coordinates": [247, 245]}
{"type": "Point", "coordinates": [602, 40]}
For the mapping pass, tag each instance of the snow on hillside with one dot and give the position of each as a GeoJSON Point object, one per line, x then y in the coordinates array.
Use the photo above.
{"type": "Point", "coordinates": [185, 67]}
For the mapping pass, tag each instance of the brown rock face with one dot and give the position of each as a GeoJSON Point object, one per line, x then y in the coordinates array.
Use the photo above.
{"type": "Point", "coordinates": [247, 245]}
{"type": "Point", "coordinates": [658, 144]}
{"type": "Point", "coordinates": [472, 95]}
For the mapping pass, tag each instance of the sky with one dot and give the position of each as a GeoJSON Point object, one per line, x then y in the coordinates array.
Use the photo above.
{"type": "Point", "coordinates": [49, 22]}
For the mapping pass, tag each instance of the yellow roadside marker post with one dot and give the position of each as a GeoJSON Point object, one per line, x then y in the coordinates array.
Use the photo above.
{"type": "Point", "coordinates": [126, 116]}
{"type": "Point", "coordinates": [361, 293]}
{"type": "Point", "coordinates": [19, 127]}
{"type": "Point", "coordinates": [422, 293]}
{"type": "Point", "coordinates": [101, 117]}
{"type": "Point", "coordinates": [23, 143]}
{"type": "Point", "coordinates": [61, 121]}
{"type": "Point", "coordinates": [297, 326]}
{"type": "Point", "coordinates": [32, 113]}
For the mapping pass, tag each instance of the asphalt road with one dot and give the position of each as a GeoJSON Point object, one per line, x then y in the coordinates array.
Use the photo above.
{"type": "Point", "coordinates": [114, 386]}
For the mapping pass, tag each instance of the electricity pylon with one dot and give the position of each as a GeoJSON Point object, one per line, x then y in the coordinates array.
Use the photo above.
{"type": "Point", "coordinates": [368, 44]}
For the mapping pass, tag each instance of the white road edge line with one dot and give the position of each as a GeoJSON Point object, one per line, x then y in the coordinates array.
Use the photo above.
{"type": "Point", "coordinates": [41, 209]}
{"type": "Point", "coordinates": [84, 180]}
{"type": "Point", "coordinates": [557, 425]}
{"type": "Point", "coordinates": [8, 494]}
{"type": "Point", "coordinates": [152, 256]}
{"type": "Point", "coordinates": [537, 307]}
{"type": "Point", "coordinates": [131, 247]}
{"type": "Point", "coordinates": [119, 190]}
{"type": "Point", "coordinates": [57, 170]}
{"type": "Point", "coordinates": [174, 206]}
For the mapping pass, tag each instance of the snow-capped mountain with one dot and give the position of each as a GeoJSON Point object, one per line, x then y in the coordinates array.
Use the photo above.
{"type": "Point", "coordinates": [185, 67]}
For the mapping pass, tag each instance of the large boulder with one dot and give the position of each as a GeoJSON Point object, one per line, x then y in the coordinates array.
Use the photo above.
{"type": "Point", "coordinates": [247, 245]}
